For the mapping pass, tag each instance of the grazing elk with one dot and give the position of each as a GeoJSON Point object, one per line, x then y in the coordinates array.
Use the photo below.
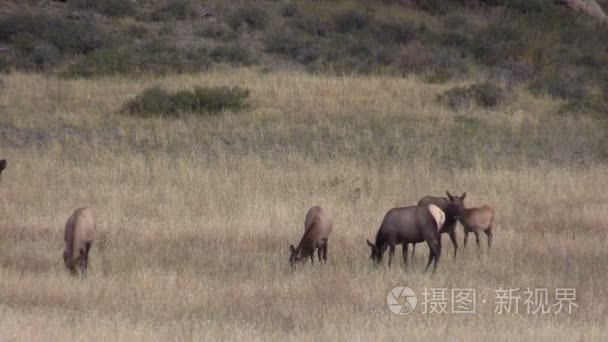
{"type": "Point", "coordinates": [401, 226]}
{"type": "Point", "coordinates": [79, 234]}
{"type": "Point", "coordinates": [449, 226]}
{"type": "Point", "coordinates": [317, 227]}
{"type": "Point", "coordinates": [474, 220]}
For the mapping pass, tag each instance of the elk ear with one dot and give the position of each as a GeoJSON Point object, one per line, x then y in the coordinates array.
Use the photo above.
{"type": "Point", "coordinates": [371, 245]}
{"type": "Point", "coordinates": [449, 195]}
{"type": "Point", "coordinates": [292, 249]}
{"type": "Point", "coordinates": [463, 196]}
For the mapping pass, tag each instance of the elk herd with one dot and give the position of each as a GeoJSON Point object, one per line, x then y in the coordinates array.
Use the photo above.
{"type": "Point", "coordinates": [424, 222]}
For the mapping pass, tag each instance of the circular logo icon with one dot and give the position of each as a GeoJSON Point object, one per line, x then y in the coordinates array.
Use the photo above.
{"type": "Point", "coordinates": [401, 300]}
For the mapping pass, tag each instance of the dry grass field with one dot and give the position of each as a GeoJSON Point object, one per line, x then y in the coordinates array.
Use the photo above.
{"type": "Point", "coordinates": [196, 214]}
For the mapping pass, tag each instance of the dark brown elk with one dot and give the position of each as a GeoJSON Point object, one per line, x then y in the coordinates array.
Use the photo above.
{"type": "Point", "coordinates": [401, 226]}
{"type": "Point", "coordinates": [79, 235]}
{"type": "Point", "coordinates": [449, 226]}
{"type": "Point", "coordinates": [317, 227]}
{"type": "Point", "coordinates": [474, 220]}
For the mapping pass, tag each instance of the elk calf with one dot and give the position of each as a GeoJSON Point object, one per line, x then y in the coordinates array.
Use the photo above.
{"type": "Point", "coordinates": [79, 235]}
{"type": "Point", "coordinates": [317, 227]}
{"type": "Point", "coordinates": [474, 220]}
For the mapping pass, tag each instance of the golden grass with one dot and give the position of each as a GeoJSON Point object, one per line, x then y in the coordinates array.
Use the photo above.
{"type": "Point", "coordinates": [196, 214]}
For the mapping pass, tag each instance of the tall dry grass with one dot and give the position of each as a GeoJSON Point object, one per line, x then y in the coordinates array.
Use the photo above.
{"type": "Point", "coordinates": [196, 214]}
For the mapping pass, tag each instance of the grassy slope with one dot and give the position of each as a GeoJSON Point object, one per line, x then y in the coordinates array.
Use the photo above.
{"type": "Point", "coordinates": [196, 215]}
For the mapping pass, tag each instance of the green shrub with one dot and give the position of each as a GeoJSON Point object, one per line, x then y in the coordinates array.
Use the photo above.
{"type": "Point", "coordinates": [389, 33]}
{"type": "Point", "coordinates": [251, 15]}
{"type": "Point", "coordinates": [174, 10]}
{"type": "Point", "coordinates": [289, 10]}
{"type": "Point", "coordinates": [563, 83]}
{"type": "Point", "coordinates": [215, 30]}
{"type": "Point", "coordinates": [232, 54]}
{"type": "Point", "coordinates": [156, 101]}
{"type": "Point", "coordinates": [314, 26]}
{"type": "Point", "coordinates": [595, 106]}
{"type": "Point", "coordinates": [112, 8]}
{"type": "Point", "coordinates": [485, 94]}
{"type": "Point", "coordinates": [159, 57]}
{"type": "Point", "coordinates": [351, 21]}
{"type": "Point", "coordinates": [66, 35]}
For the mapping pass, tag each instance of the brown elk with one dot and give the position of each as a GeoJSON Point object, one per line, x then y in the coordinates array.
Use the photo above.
{"type": "Point", "coordinates": [317, 227]}
{"type": "Point", "coordinates": [79, 235]}
{"type": "Point", "coordinates": [401, 226]}
{"type": "Point", "coordinates": [474, 220]}
{"type": "Point", "coordinates": [449, 225]}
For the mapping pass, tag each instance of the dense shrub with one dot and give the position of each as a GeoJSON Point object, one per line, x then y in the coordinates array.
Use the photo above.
{"type": "Point", "coordinates": [351, 21]}
{"type": "Point", "coordinates": [158, 57]}
{"type": "Point", "coordinates": [565, 84]}
{"type": "Point", "coordinates": [156, 101]}
{"type": "Point", "coordinates": [66, 35]}
{"type": "Point", "coordinates": [232, 54]}
{"type": "Point", "coordinates": [595, 106]}
{"type": "Point", "coordinates": [112, 8]}
{"type": "Point", "coordinates": [314, 26]}
{"type": "Point", "coordinates": [174, 10]}
{"type": "Point", "coordinates": [389, 33]}
{"type": "Point", "coordinates": [514, 72]}
{"type": "Point", "coordinates": [216, 30]}
{"type": "Point", "coordinates": [251, 15]}
{"type": "Point", "coordinates": [485, 94]}
{"type": "Point", "coordinates": [289, 10]}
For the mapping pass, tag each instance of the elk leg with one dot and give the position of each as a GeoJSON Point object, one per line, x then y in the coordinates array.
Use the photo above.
{"type": "Point", "coordinates": [489, 234]}
{"type": "Point", "coordinates": [319, 253]}
{"type": "Point", "coordinates": [325, 253]}
{"type": "Point", "coordinates": [391, 252]}
{"type": "Point", "coordinates": [454, 242]}
{"type": "Point", "coordinates": [413, 251]}
{"type": "Point", "coordinates": [466, 238]}
{"type": "Point", "coordinates": [404, 247]}
{"type": "Point", "coordinates": [437, 253]}
{"type": "Point", "coordinates": [477, 240]}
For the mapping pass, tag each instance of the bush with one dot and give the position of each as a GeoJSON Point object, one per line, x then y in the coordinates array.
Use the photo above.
{"type": "Point", "coordinates": [514, 72]}
{"type": "Point", "coordinates": [66, 35]}
{"type": "Point", "coordinates": [390, 33]}
{"type": "Point", "coordinates": [565, 84]}
{"type": "Point", "coordinates": [153, 57]}
{"type": "Point", "coordinates": [351, 21]}
{"type": "Point", "coordinates": [251, 15]}
{"type": "Point", "coordinates": [289, 10]}
{"type": "Point", "coordinates": [112, 8]}
{"type": "Point", "coordinates": [156, 101]}
{"type": "Point", "coordinates": [175, 10]}
{"type": "Point", "coordinates": [485, 94]}
{"type": "Point", "coordinates": [313, 25]}
{"type": "Point", "coordinates": [596, 107]}
{"type": "Point", "coordinates": [232, 54]}
{"type": "Point", "coordinates": [215, 30]}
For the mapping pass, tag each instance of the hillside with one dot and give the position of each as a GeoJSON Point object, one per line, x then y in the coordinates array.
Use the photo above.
{"type": "Point", "coordinates": [547, 47]}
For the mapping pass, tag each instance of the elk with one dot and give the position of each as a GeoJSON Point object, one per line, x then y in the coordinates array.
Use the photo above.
{"type": "Point", "coordinates": [317, 227]}
{"type": "Point", "coordinates": [408, 225]}
{"type": "Point", "coordinates": [474, 220]}
{"type": "Point", "coordinates": [449, 225]}
{"type": "Point", "coordinates": [79, 235]}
